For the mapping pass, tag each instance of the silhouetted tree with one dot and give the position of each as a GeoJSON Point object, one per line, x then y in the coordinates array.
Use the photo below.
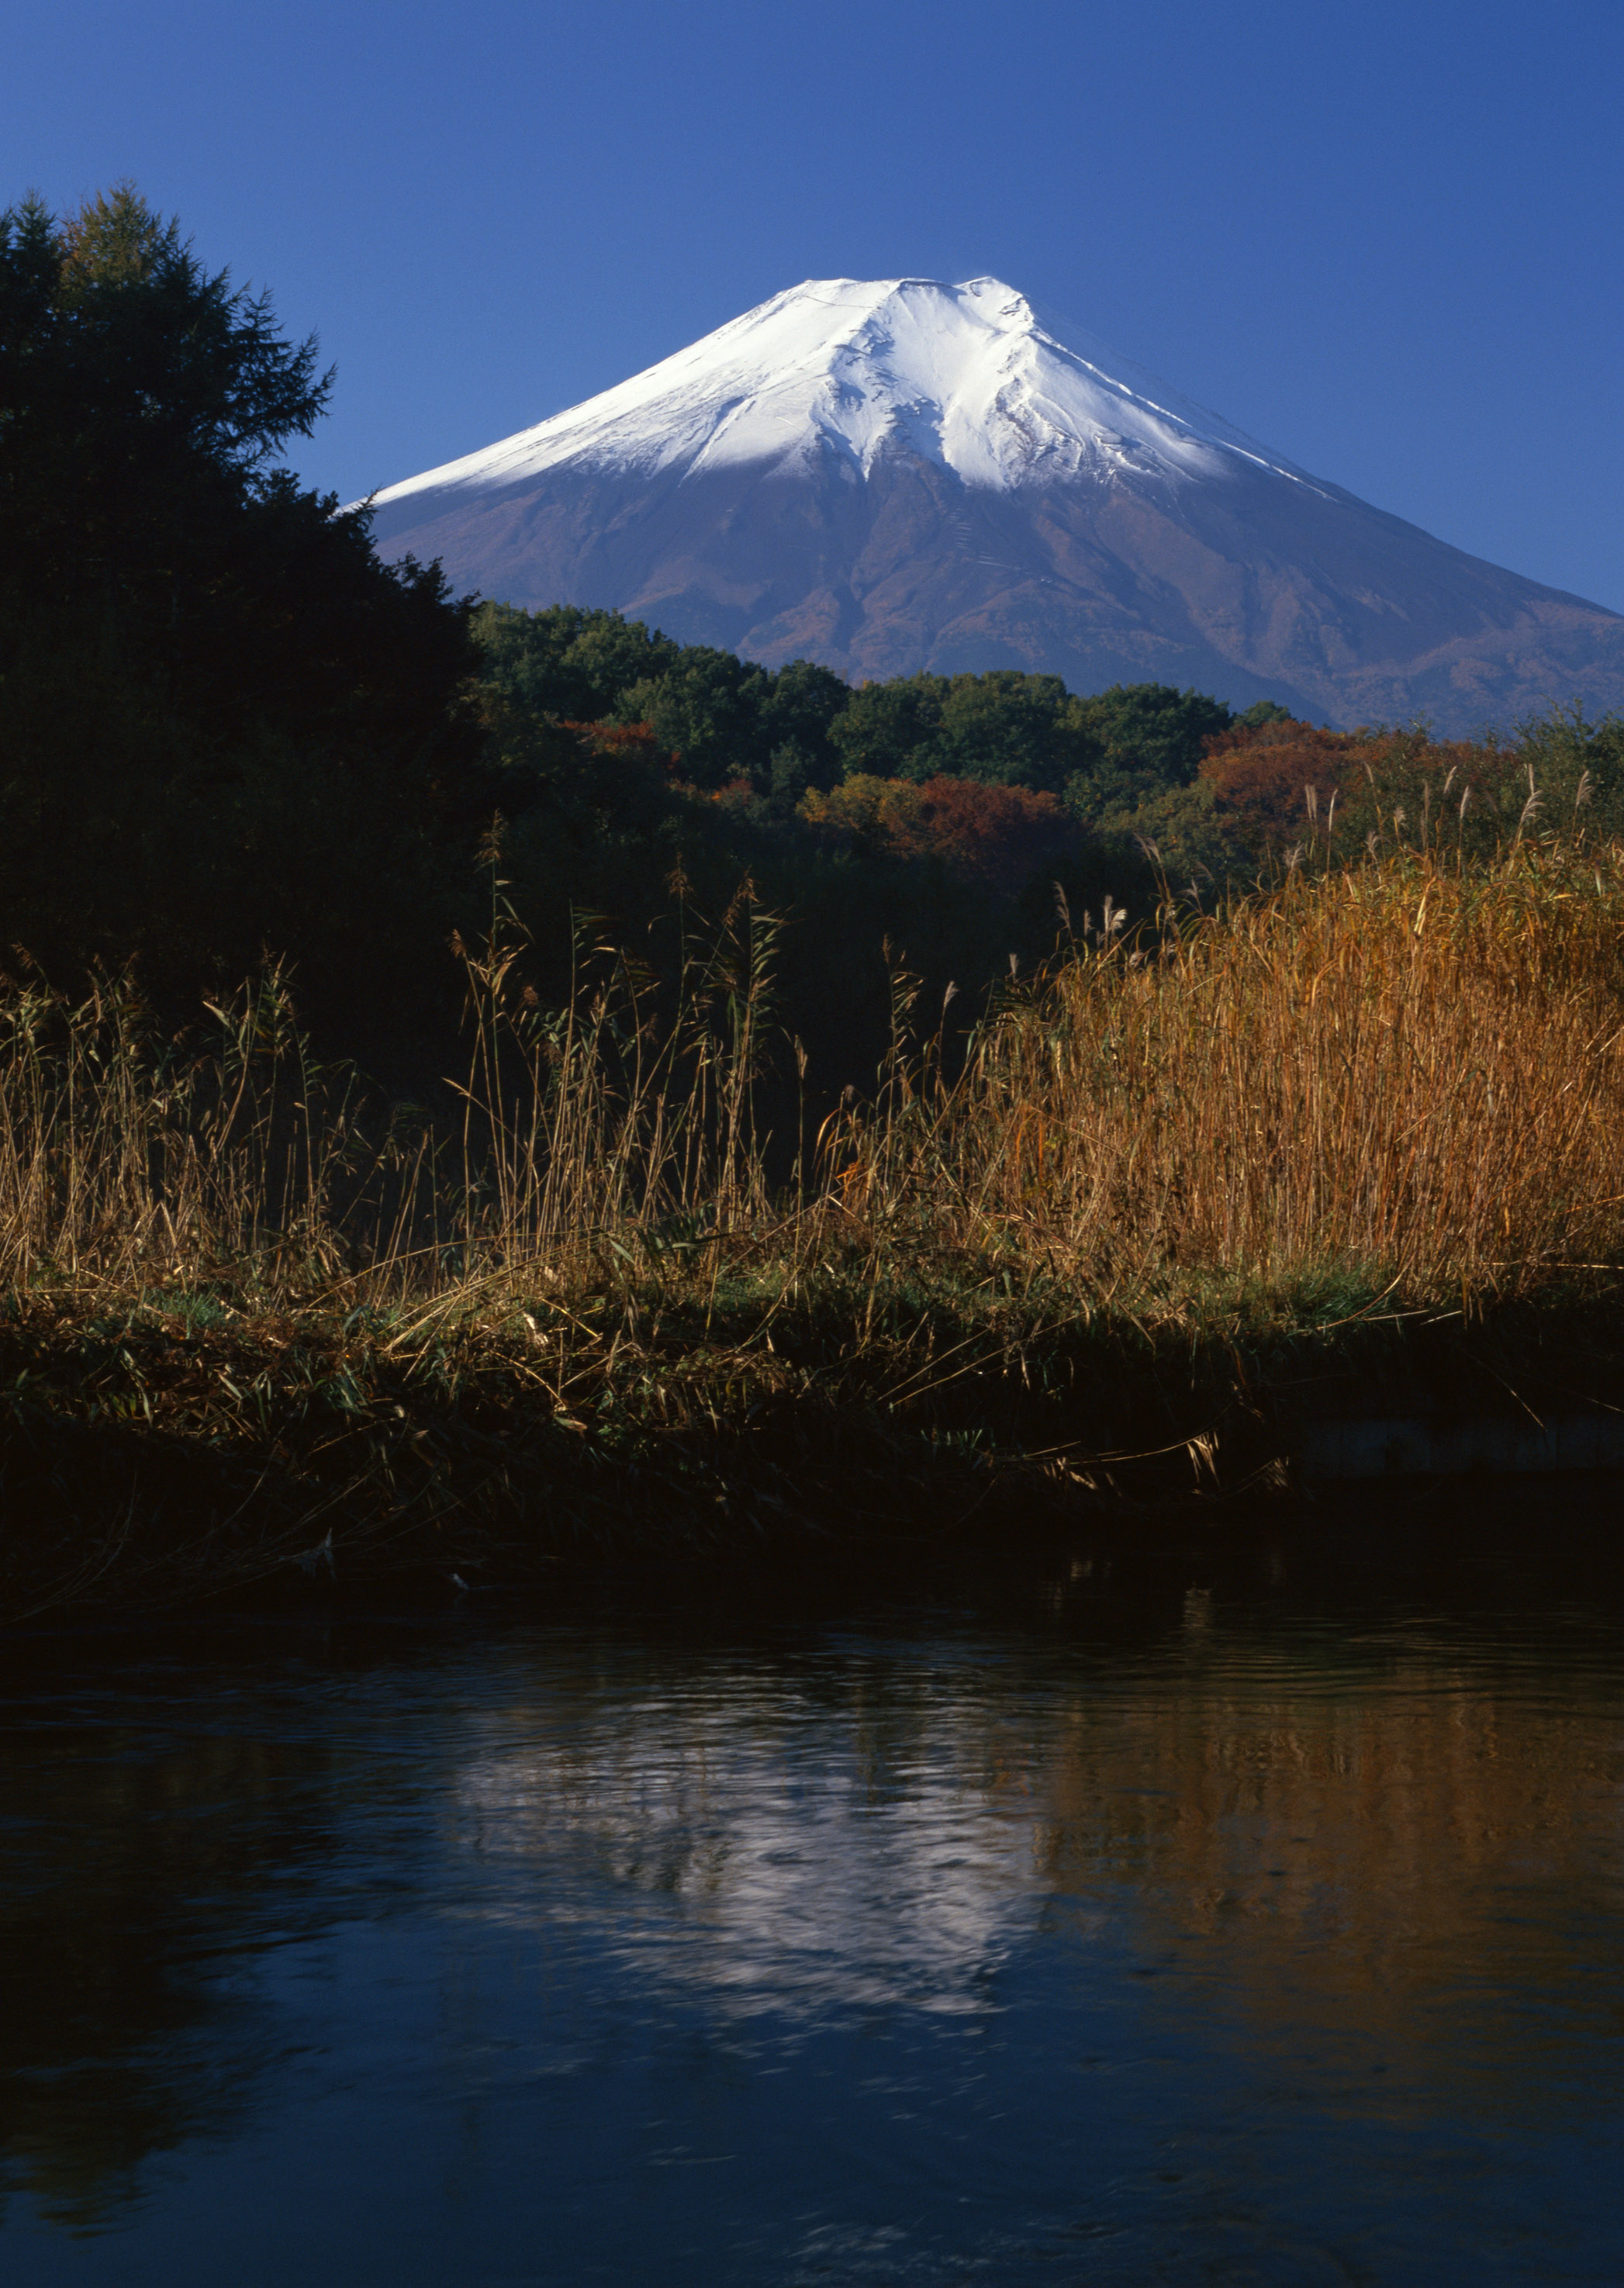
{"type": "Point", "coordinates": [223, 720]}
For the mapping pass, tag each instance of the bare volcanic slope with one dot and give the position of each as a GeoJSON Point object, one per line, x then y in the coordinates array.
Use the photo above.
{"type": "Point", "coordinates": [896, 475]}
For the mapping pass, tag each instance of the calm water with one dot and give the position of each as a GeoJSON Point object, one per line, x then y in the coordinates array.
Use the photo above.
{"type": "Point", "coordinates": [1171, 1920]}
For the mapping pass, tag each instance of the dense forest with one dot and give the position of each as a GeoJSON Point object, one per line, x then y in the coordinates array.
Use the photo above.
{"type": "Point", "coordinates": [228, 730]}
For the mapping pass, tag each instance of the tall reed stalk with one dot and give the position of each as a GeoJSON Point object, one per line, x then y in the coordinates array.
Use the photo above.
{"type": "Point", "coordinates": [130, 1161]}
{"type": "Point", "coordinates": [1399, 1067]}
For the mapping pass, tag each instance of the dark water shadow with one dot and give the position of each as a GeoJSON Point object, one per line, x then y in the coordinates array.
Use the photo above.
{"type": "Point", "coordinates": [1161, 1904]}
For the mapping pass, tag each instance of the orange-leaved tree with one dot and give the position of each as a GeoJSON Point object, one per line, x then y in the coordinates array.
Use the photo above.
{"type": "Point", "coordinates": [997, 837]}
{"type": "Point", "coordinates": [1299, 784]}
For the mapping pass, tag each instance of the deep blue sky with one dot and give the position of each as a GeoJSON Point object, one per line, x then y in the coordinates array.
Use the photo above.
{"type": "Point", "coordinates": [1384, 238]}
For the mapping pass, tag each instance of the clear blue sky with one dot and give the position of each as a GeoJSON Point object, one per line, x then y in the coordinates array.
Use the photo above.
{"type": "Point", "coordinates": [1384, 238]}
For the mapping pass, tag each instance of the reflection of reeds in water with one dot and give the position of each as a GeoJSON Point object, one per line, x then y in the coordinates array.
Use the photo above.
{"type": "Point", "coordinates": [1335, 1854]}
{"type": "Point", "coordinates": [1402, 1078]}
{"type": "Point", "coordinates": [1408, 1851]}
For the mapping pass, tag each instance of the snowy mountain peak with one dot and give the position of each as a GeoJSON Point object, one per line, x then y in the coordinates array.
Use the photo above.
{"type": "Point", "coordinates": [894, 474]}
{"type": "Point", "coordinates": [846, 371]}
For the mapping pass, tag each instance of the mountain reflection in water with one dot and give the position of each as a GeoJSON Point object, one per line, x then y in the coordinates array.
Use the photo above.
{"type": "Point", "coordinates": [1154, 1932]}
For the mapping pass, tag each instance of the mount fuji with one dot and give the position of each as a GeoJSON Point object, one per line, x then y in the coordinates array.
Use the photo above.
{"type": "Point", "coordinates": [895, 475]}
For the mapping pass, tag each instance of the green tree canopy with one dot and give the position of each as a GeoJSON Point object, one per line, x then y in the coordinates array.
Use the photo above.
{"type": "Point", "coordinates": [569, 662]}
{"type": "Point", "coordinates": [1001, 729]}
{"type": "Point", "coordinates": [721, 718]}
{"type": "Point", "coordinates": [886, 730]}
{"type": "Point", "coordinates": [1147, 738]}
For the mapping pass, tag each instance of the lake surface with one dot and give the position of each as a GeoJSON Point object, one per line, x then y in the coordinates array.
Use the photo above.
{"type": "Point", "coordinates": [1103, 1918]}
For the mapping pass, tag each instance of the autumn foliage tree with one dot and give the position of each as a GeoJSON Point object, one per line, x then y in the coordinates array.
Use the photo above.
{"type": "Point", "coordinates": [995, 837]}
{"type": "Point", "coordinates": [1271, 783]}
{"type": "Point", "coordinates": [1293, 785]}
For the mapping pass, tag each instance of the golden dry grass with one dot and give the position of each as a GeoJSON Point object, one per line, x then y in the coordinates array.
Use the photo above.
{"type": "Point", "coordinates": [1398, 1068]}
{"type": "Point", "coordinates": [1166, 1175]}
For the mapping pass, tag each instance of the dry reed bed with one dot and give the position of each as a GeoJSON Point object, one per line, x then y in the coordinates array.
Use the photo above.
{"type": "Point", "coordinates": [1396, 1068]}
{"type": "Point", "coordinates": [1183, 1169]}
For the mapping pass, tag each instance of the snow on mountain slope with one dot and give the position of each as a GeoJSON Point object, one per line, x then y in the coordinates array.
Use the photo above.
{"type": "Point", "coordinates": [900, 475]}
{"type": "Point", "coordinates": [963, 375]}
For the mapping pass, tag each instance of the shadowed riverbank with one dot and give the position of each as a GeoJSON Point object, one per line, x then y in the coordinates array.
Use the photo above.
{"type": "Point", "coordinates": [1349, 1147]}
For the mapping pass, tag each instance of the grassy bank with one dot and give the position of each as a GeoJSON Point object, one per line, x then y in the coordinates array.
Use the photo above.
{"type": "Point", "coordinates": [1354, 1140]}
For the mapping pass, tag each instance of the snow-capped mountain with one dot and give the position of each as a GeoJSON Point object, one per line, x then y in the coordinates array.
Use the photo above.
{"type": "Point", "coordinates": [966, 376]}
{"type": "Point", "coordinates": [901, 474]}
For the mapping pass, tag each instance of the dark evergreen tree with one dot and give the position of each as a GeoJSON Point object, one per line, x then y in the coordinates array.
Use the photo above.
{"type": "Point", "coordinates": [223, 721]}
